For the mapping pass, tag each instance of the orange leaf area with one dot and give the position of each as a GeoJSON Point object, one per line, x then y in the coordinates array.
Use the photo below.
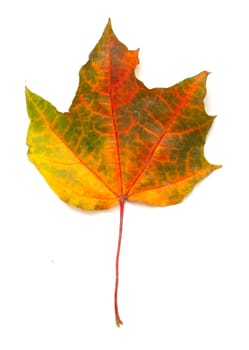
{"type": "Point", "coordinates": [121, 141]}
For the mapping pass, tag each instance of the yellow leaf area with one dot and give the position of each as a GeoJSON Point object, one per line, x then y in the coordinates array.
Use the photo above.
{"type": "Point", "coordinates": [120, 140]}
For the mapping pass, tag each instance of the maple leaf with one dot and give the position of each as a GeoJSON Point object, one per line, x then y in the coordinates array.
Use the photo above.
{"type": "Point", "coordinates": [121, 141]}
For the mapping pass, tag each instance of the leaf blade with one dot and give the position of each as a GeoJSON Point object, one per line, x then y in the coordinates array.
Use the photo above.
{"type": "Point", "coordinates": [179, 151]}
{"type": "Point", "coordinates": [66, 174]}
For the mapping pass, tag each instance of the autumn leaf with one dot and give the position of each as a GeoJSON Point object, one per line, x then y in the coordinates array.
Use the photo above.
{"type": "Point", "coordinates": [121, 141]}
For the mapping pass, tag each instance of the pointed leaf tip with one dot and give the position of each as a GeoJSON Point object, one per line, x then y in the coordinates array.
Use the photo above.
{"type": "Point", "coordinates": [27, 92]}
{"type": "Point", "coordinates": [108, 27]}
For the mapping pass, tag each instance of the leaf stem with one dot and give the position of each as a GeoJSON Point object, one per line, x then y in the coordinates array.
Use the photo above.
{"type": "Point", "coordinates": [121, 205]}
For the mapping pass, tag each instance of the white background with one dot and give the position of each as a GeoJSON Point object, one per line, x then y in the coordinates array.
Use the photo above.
{"type": "Point", "coordinates": [184, 269]}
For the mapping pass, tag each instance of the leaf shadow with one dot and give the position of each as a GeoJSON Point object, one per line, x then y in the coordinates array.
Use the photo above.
{"type": "Point", "coordinates": [90, 212]}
